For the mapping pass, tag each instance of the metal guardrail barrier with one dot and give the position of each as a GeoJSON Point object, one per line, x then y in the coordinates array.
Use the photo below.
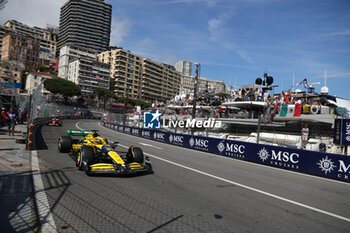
{"type": "Point", "coordinates": [288, 133]}
{"type": "Point", "coordinates": [322, 164]}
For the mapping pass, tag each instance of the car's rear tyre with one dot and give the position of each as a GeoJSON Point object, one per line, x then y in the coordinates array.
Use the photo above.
{"type": "Point", "coordinates": [135, 154]}
{"type": "Point", "coordinates": [85, 158]}
{"type": "Point", "coordinates": [64, 144]}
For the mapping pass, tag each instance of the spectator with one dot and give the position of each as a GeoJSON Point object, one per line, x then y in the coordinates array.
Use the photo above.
{"type": "Point", "coordinates": [11, 118]}
{"type": "Point", "coordinates": [299, 101]}
{"type": "Point", "coordinates": [3, 116]}
{"type": "Point", "coordinates": [251, 94]}
{"type": "Point", "coordinates": [310, 101]}
{"type": "Point", "coordinates": [266, 95]}
{"type": "Point", "coordinates": [288, 97]}
{"type": "Point", "coordinates": [259, 96]}
{"type": "Point", "coordinates": [21, 117]}
{"type": "Point", "coordinates": [304, 135]}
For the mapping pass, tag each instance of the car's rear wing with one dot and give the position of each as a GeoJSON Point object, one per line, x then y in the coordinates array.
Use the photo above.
{"type": "Point", "coordinates": [80, 133]}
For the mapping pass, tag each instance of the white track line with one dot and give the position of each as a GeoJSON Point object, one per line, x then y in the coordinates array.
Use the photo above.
{"type": "Point", "coordinates": [250, 188]}
{"type": "Point", "coordinates": [44, 212]}
{"type": "Point", "coordinates": [150, 145]}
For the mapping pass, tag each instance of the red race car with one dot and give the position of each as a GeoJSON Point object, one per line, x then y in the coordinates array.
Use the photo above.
{"type": "Point", "coordinates": [55, 122]}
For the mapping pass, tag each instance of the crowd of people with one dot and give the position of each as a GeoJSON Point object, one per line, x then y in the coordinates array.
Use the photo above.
{"type": "Point", "coordinates": [286, 97]}
{"type": "Point", "coordinates": [272, 104]}
{"type": "Point", "coordinates": [275, 102]}
{"type": "Point", "coordinates": [248, 94]}
{"type": "Point", "coordinates": [10, 118]}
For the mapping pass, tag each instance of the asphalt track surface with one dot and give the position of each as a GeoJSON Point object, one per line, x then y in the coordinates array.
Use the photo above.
{"type": "Point", "coordinates": [189, 191]}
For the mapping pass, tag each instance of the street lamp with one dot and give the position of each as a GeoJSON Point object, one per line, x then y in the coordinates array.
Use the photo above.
{"type": "Point", "coordinates": [198, 66]}
{"type": "Point", "coordinates": [125, 103]}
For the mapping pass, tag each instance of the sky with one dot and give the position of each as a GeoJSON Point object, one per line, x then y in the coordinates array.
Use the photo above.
{"type": "Point", "coordinates": [234, 40]}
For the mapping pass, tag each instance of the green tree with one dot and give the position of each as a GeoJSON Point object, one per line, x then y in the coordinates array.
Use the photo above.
{"type": "Point", "coordinates": [42, 68]}
{"type": "Point", "coordinates": [134, 102]}
{"type": "Point", "coordinates": [63, 87]}
{"type": "Point", "coordinates": [90, 102]}
{"type": "Point", "coordinates": [104, 94]}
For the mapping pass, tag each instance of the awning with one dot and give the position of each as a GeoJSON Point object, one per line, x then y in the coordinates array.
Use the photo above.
{"type": "Point", "coordinates": [253, 86]}
{"type": "Point", "coordinates": [304, 94]}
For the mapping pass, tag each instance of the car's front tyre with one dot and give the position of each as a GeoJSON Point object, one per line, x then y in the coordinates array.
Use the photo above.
{"type": "Point", "coordinates": [135, 154]}
{"type": "Point", "coordinates": [64, 144]}
{"type": "Point", "coordinates": [85, 157]}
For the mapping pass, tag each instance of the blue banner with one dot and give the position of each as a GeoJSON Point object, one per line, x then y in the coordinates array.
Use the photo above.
{"type": "Point", "coordinates": [345, 137]}
{"type": "Point", "coordinates": [342, 132]}
{"type": "Point", "coordinates": [13, 85]}
{"type": "Point", "coordinates": [310, 162]}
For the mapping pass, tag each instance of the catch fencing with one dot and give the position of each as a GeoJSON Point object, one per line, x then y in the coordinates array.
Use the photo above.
{"type": "Point", "coordinates": [38, 112]}
{"type": "Point", "coordinates": [242, 128]}
{"type": "Point", "coordinates": [37, 107]}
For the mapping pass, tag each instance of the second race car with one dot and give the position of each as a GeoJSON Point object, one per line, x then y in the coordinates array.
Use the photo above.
{"type": "Point", "coordinates": [54, 122]}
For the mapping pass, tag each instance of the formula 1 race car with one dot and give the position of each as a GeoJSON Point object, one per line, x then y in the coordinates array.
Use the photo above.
{"type": "Point", "coordinates": [94, 155]}
{"type": "Point", "coordinates": [54, 122]}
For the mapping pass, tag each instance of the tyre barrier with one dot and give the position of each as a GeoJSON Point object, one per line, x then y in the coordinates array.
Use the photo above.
{"type": "Point", "coordinates": [30, 137]}
{"type": "Point", "coordinates": [333, 166]}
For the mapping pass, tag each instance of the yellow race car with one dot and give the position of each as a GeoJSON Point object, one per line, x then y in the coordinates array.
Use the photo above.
{"type": "Point", "coordinates": [94, 155]}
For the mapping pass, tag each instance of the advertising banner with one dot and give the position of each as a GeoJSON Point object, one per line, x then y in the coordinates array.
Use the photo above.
{"type": "Point", "coordinates": [310, 162]}
{"type": "Point", "coordinates": [345, 132]}
{"type": "Point", "coordinates": [342, 132]}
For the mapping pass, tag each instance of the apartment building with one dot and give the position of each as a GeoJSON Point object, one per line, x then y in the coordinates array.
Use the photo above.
{"type": "Point", "coordinates": [184, 67]}
{"type": "Point", "coordinates": [139, 77]}
{"type": "Point", "coordinates": [47, 37]}
{"type": "Point", "coordinates": [11, 71]}
{"type": "Point", "coordinates": [17, 47]}
{"type": "Point", "coordinates": [71, 52]}
{"type": "Point", "coordinates": [86, 23]}
{"type": "Point", "coordinates": [217, 86]}
{"type": "Point", "coordinates": [89, 74]}
{"type": "Point", "coordinates": [3, 32]}
{"type": "Point", "coordinates": [204, 84]}
{"type": "Point", "coordinates": [34, 79]}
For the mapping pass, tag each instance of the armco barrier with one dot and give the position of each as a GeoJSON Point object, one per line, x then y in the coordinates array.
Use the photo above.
{"type": "Point", "coordinates": [310, 162]}
{"type": "Point", "coordinates": [38, 122]}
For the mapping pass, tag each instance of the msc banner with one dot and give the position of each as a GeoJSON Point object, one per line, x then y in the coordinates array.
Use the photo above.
{"type": "Point", "coordinates": [342, 132]}
{"type": "Point", "coordinates": [316, 163]}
